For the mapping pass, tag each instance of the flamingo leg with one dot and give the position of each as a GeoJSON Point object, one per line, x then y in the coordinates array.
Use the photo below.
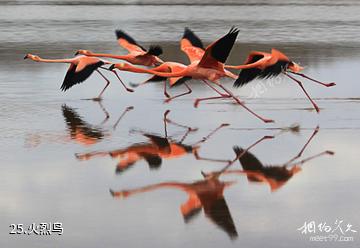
{"type": "Point", "coordinates": [302, 87]}
{"type": "Point", "coordinates": [167, 120]}
{"type": "Point", "coordinates": [122, 115]}
{"type": "Point", "coordinates": [165, 90]}
{"type": "Point", "coordinates": [213, 88]}
{"type": "Point", "coordinates": [244, 106]}
{"type": "Point", "coordinates": [198, 157]}
{"type": "Point", "coordinates": [304, 147]}
{"type": "Point", "coordinates": [126, 88]}
{"type": "Point", "coordinates": [134, 85]}
{"type": "Point", "coordinates": [204, 139]}
{"type": "Point", "coordinates": [314, 80]}
{"type": "Point", "coordinates": [249, 147]}
{"type": "Point", "coordinates": [312, 157]}
{"type": "Point", "coordinates": [107, 84]}
{"type": "Point", "coordinates": [198, 100]}
{"type": "Point", "coordinates": [182, 94]}
{"type": "Point", "coordinates": [175, 123]}
{"type": "Point", "coordinates": [107, 115]}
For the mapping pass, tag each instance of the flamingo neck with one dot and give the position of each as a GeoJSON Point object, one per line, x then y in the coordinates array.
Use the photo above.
{"type": "Point", "coordinates": [55, 60]}
{"type": "Point", "coordinates": [107, 55]}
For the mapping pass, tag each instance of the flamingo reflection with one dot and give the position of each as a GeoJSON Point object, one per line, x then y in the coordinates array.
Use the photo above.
{"type": "Point", "coordinates": [275, 176]}
{"type": "Point", "coordinates": [78, 129]}
{"type": "Point", "coordinates": [155, 150]}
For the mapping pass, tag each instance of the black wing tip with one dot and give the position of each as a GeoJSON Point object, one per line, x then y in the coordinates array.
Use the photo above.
{"type": "Point", "coordinates": [237, 150]}
{"type": "Point", "coordinates": [239, 82]}
{"type": "Point", "coordinates": [121, 34]}
{"type": "Point", "coordinates": [155, 50]}
{"type": "Point", "coordinates": [193, 38]}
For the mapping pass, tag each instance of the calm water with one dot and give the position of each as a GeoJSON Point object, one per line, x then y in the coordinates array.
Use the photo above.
{"type": "Point", "coordinates": [61, 156]}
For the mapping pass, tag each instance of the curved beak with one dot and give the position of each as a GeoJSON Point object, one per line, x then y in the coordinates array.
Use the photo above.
{"type": "Point", "coordinates": [26, 56]}
{"type": "Point", "coordinates": [112, 67]}
{"type": "Point", "coordinates": [77, 53]}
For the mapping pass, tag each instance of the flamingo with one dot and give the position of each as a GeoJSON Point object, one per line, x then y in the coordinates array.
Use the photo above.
{"type": "Point", "coordinates": [137, 55]}
{"type": "Point", "coordinates": [275, 176]}
{"type": "Point", "coordinates": [81, 67]}
{"type": "Point", "coordinates": [157, 149]}
{"type": "Point", "coordinates": [267, 65]}
{"type": "Point", "coordinates": [193, 47]}
{"type": "Point", "coordinates": [209, 68]}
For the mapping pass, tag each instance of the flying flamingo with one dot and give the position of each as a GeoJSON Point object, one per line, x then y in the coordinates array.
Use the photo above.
{"type": "Point", "coordinates": [192, 46]}
{"type": "Point", "coordinates": [275, 176]}
{"type": "Point", "coordinates": [209, 68]}
{"type": "Point", "coordinates": [267, 65]}
{"type": "Point", "coordinates": [137, 55]}
{"type": "Point", "coordinates": [157, 149]}
{"type": "Point", "coordinates": [81, 67]}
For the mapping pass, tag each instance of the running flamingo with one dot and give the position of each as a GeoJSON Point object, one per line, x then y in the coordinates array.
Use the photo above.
{"type": "Point", "coordinates": [137, 55]}
{"type": "Point", "coordinates": [81, 67]}
{"type": "Point", "coordinates": [209, 68]}
{"type": "Point", "coordinates": [267, 65]}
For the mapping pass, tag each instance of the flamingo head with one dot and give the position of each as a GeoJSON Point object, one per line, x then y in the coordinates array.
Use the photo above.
{"type": "Point", "coordinates": [32, 57]}
{"type": "Point", "coordinates": [295, 67]}
{"type": "Point", "coordinates": [83, 52]}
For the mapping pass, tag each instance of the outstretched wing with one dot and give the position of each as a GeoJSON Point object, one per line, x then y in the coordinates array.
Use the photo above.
{"type": "Point", "coordinates": [127, 42]}
{"type": "Point", "coordinates": [247, 75]}
{"type": "Point", "coordinates": [248, 161]}
{"type": "Point", "coordinates": [79, 73]}
{"type": "Point", "coordinates": [217, 52]}
{"type": "Point", "coordinates": [220, 214]}
{"type": "Point", "coordinates": [192, 46]}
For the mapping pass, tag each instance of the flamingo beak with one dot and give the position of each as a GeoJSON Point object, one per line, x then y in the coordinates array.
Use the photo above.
{"type": "Point", "coordinates": [26, 56]}
{"type": "Point", "coordinates": [112, 67]}
{"type": "Point", "coordinates": [77, 53]}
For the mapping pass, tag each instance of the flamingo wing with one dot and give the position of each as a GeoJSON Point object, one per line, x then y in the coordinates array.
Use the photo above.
{"type": "Point", "coordinates": [247, 160]}
{"type": "Point", "coordinates": [160, 142]}
{"type": "Point", "coordinates": [127, 42]}
{"type": "Point", "coordinates": [217, 52]}
{"type": "Point", "coordinates": [218, 211]}
{"type": "Point", "coordinates": [80, 72]}
{"type": "Point", "coordinates": [153, 50]}
{"type": "Point", "coordinates": [192, 46]}
{"type": "Point", "coordinates": [247, 75]}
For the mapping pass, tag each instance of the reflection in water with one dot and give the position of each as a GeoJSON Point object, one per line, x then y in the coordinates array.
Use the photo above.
{"type": "Point", "coordinates": [274, 175]}
{"type": "Point", "coordinates": [204, 194]}
{"type": "Point", "coordinates": [155, 150]}
{"type": "Point", "coordinates": [208, 194]}
{"type": "Point", "coordinates": [78, 130]}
